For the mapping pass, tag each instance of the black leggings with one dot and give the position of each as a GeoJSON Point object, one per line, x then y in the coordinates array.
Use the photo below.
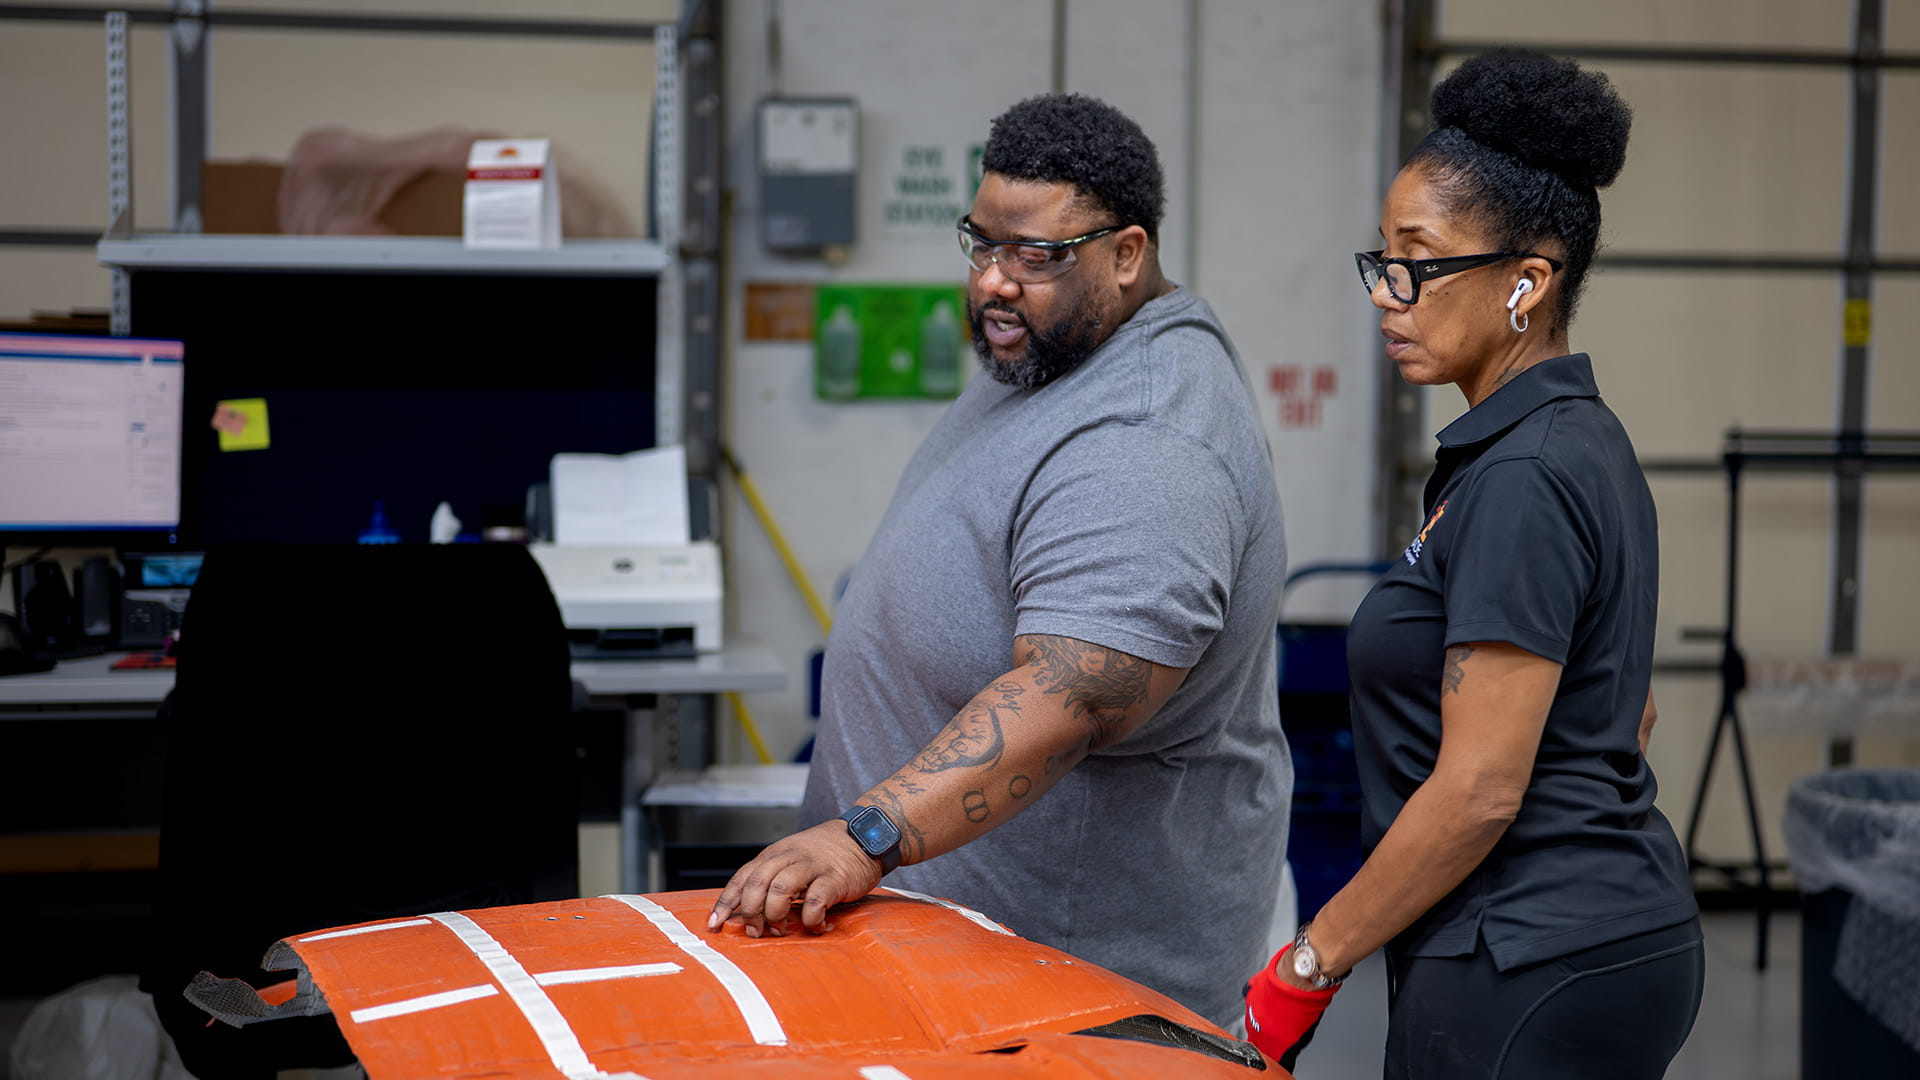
{"type": "Point", "coordinates": [1618, 1011]}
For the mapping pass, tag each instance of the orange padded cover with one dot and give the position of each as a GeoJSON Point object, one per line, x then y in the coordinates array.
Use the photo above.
{"type": "Point", "coordinates": [900, 989]}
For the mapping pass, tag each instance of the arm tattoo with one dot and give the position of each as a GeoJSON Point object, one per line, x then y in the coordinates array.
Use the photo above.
{"type": "Point", "coordinates": [913, 842]}
{"type": "Point", "coordinates": [1100, 684]}
{"type": "Point", "coordinates": [1454, 673]}
{"type": "Point", "coordinates": [974, 736]}
{"type": "Point", "coordinates": [974, 803]}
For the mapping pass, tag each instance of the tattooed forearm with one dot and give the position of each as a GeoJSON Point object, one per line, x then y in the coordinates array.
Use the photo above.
{"type": "Point", "coordinates": [975, 735]}
{"type": "Point", "coordinates": [913, 841]}
{"type": "Point", "coordinates": [1014, 740]}
{"type": "Point", "coordinates": [1450, 678]}
{"type": "Point", "coordinates": [1100, 684]}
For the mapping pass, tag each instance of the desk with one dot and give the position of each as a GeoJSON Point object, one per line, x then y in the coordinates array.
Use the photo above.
{"type": "Point", "coordinates": [89, 688]}
{"type": "Point", "coordinates": [737, 666]}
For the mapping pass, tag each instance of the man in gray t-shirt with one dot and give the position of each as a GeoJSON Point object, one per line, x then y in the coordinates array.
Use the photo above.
{"type": "Point", "coordinates": [1072, 595]}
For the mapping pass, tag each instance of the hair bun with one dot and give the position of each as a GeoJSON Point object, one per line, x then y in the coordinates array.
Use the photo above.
{"type": "Point", "coordinates": [1544, 110]}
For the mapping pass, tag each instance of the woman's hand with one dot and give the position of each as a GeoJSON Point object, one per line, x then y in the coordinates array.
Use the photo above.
{"type": "Point", "coordinates": [1282, 1011]}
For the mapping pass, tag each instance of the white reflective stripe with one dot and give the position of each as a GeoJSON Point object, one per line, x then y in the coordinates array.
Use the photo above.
{"type": "Point", "coordinates": [971, 914]}
{"type": "Point", "coordinates": [551, 1028]}
{"type": "Point", "coordinates": [761, 1022]}
{"type": "Point", "coordinates": [422, 1004]}
{"type": "Point", "coordinates": [882, 1072]}
{"type": "Point", "coordinates": [363, 930]}
{"type": "Point", "coordinates": [580, 975]}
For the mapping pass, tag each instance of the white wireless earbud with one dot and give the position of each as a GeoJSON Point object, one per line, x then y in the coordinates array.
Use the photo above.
{"type": "Point", "coordinates": [1519, 291]}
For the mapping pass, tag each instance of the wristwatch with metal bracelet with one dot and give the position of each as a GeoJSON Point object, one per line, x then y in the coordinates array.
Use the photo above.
{"type": "Point", "coordinates": [876, 834]}
{"type": "Point", "coordinates": [1306, 962]}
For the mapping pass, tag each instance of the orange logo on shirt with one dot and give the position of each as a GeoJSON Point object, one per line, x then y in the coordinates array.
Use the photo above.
{"type": "Point", "coordinates": [1412, 554]}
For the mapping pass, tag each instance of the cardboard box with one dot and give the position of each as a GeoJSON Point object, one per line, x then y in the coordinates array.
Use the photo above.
{"type": "Point", "coordinates": [243, 197]}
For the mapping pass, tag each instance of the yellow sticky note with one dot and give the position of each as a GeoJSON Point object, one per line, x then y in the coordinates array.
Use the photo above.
{"type": "Point", "coordinates": [242, 424]}
{"type": "Point", "coordinates": [1857, 329]}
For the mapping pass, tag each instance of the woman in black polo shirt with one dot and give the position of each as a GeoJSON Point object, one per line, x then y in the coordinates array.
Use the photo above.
{"type": "Point", "coordinates": [1535, 907]}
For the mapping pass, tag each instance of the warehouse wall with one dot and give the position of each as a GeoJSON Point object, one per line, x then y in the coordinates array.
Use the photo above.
{"type": "Point", "coordinates": [1269, 191]}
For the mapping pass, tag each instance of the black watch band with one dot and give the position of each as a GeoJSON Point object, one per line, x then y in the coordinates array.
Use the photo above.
{"type": "Point", "coordinates": [876, 834]}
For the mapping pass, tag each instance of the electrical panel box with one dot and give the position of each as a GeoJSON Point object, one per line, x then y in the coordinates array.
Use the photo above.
{"type": "Point", "coordinates": [809, 159]}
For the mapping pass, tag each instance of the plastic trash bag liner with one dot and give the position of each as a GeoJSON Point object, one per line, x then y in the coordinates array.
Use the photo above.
{"type": "Point", "coordinates": [1859, 830]}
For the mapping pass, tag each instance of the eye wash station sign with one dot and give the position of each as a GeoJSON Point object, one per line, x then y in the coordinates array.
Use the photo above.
{"type": "Point", "coordinates": [929, 187]}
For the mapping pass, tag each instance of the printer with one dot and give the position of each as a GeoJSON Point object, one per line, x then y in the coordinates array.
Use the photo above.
{"type": "Point", "coordinates": [632, 601]}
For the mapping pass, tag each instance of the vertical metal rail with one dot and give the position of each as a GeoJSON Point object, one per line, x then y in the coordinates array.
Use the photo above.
{"type": "Point", "coordinates": [1843, 618]}
{"type": "Point", "coordinates": [702, 80]}
{"type": "Point", "coordinates": [1401, 450]}
{"type": "Point", "coordinates": [119, 159]}
{"type": "Point", "coordinates": [635, 842]}
{"type": "Point", "coordinates": [669, 353]}
{"type": "Point", "coordinates": [191, 82]}
{"type": "Point", "coordinates": [1059, 79]}
{"type": "Point", "coordinates": [1190, 265]}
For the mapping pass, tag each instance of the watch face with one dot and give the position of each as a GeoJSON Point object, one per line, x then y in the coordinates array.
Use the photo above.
{"type": "Point", "coordinates": [1304, 962]}
{"type": "Point", "coordinates": [874, 831]}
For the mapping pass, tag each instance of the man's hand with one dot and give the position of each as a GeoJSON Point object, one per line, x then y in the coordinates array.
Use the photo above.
{"type": "Point", "coordinates": [821, 864]}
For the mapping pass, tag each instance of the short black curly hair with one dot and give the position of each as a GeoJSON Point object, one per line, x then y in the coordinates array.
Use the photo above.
{"type": "Point", "coordinates": [1522, 142]}
{"type": "Point", "coordinates": [1082, 141]}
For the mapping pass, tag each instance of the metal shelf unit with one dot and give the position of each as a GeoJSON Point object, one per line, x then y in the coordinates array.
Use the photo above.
{"type": "Point", "coordinates": [684, 192]}
{"type": "Point", "coordinates": [356, 254]}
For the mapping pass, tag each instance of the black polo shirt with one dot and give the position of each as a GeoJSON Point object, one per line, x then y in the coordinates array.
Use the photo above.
{"type": "Point", "coordinates": [1539, 532]}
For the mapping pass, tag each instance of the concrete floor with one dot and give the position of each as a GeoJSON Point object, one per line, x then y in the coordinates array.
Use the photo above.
{"type": "Point", "coordinates": [1749, 1025]}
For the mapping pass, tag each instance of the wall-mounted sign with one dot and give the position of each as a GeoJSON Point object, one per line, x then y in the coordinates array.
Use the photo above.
{"type": "Point", "coordinates": [1301, 391]}
{"type": "Point", "coordinates": [927, 187]}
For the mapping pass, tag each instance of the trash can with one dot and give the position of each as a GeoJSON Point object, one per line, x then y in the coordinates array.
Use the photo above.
{"type": "Point", "coordinates": [1854, 839]}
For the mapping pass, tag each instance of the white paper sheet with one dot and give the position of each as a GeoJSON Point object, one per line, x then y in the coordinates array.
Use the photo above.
{"type": "Point", "coordinates": [731, 785]}
{"type": "Point", "coordinates": [638, 498]}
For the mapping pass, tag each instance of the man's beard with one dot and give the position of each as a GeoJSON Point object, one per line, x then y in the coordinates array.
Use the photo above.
{"type": "Point", "coordinates": [1050, 353]}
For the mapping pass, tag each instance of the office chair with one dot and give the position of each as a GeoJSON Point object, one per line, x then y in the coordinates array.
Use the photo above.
{"type": "Point", "coordinates": [356, 733]}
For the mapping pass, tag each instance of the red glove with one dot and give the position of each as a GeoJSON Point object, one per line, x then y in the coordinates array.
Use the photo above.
{"type": "Point", "coordinates": [1281, 1017]}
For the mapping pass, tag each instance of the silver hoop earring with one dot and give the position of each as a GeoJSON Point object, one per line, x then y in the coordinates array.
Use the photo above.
{"type": "Point", "coordinates": [1519, 321]}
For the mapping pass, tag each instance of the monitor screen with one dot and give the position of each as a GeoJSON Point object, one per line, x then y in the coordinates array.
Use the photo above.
{"type": "Point", "coordinates": [89, 439]}
{"type": "Point", "coordinates": [393, 392]}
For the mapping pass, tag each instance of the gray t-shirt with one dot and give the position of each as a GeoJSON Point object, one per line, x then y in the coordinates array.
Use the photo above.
{"type": "Point", "coordinates": [1130, 503]}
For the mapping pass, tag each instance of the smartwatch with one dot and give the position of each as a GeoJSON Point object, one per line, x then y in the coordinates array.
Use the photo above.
{"type": "Point", "coordinates": [1306, 962]}
{"type": "Point", "coordinates": [876, 834]}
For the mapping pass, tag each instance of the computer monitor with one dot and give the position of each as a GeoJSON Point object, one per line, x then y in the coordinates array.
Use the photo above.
{"type": "Point", "coordinates": [90, 440]}
{"type": "Point", "coordinates": [404, 390]}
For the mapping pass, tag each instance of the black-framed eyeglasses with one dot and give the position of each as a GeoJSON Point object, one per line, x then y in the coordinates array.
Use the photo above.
{"type": "Point", "coordinates": [1024, 261]}
{"type": "Point", "coordinates": [1403, 276]}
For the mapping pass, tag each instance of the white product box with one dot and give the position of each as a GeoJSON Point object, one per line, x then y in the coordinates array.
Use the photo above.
{"type": "Point", "coordinates": [513, 195]}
